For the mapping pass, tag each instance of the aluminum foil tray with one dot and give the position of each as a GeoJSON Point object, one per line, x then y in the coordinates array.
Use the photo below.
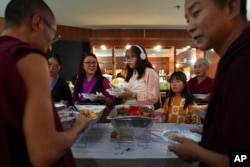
{"type": "Point", "coordinates": [98, 109]}
{"type": "Point", "coordinates": [95, 108]}
{"type": "Point", "coordinates": [119, 120]}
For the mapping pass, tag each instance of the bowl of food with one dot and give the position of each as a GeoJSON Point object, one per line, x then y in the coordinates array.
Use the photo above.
{"type": "Point", "coordinates": [201, 110]}
{"type": "Point", "coordinates": [169, 136]}
{"type": "Point", "coordinates": [135, 116]}
{"type": "Point", "coordinates": [91, 111]}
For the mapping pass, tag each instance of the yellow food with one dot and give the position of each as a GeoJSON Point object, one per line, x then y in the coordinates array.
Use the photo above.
{"type": "Point", "coordinates": [88, 113]}
{"type": "Point", "coordinates": [203, 108]}
{"type": "Point", "coordinates": [114, 134]}
{"type": "Point", "coordinates": [171, 136]}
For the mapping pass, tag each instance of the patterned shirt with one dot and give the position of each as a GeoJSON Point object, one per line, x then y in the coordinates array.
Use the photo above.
{"type": "Point", "coordinates": [176, 112]}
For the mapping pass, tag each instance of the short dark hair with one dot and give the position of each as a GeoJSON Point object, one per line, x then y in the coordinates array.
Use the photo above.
{"type": "Point", "coordinates": [243, 9]}
{"type": "Point", "coordinates": [17, 11]}
{"type": "Point", "coordinates": [55, 56]}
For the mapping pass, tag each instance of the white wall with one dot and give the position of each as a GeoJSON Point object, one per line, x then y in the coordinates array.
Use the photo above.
{"type": "Point", "coordinates": [248, 9]}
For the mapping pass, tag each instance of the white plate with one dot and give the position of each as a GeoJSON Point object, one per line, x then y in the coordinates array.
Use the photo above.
{"type": "Point", "coordinates": [95, 108]}
{"type": "Point", "coordinates": [89, 96]}
{"type": "Point", "coordinates": [166, 135]}
{"type": "Point", "coordinates": [115, 92]}
{"type": "Point", "coordinates": [59, 104]}
{"type": "Point", "coordinates": [201, 96]}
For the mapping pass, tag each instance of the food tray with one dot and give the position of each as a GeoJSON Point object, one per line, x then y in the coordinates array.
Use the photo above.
{"type": "Point", "coordinates": [119, 121]}
{"type": "Point", "coordinates": [67, 118]}
{"type": "Point", "coordinates": [59, 106]}
{"type": "Point", "coordinates": [95, 108]}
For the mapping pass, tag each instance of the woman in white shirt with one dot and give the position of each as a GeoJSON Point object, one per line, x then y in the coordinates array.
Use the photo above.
{"type": "Point", "coordinates": [143, 80]}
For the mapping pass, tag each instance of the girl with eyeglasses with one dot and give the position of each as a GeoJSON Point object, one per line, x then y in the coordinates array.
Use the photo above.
{"type": "Point", "coordinates": [143, 80]}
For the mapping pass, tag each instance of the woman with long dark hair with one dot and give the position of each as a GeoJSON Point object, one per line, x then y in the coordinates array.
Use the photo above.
{"type": "Point", "coordinates": [143, 80]}
{"type": "Point", "coordinates": [90, 81]}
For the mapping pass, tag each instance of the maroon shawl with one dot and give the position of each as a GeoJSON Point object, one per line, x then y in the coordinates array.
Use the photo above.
{"type": "Point", "coordinates": [227, 123]}
{"type": "Point", "coordinates": [13, 149]}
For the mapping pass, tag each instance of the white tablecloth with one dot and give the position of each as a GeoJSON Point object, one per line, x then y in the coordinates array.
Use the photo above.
{"type": "Point", "coordinates": [98, 149]}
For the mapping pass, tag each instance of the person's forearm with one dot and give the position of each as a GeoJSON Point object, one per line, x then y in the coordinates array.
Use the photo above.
{"type": "Point", "coordinates": [108, 101]}
{"type": "Point", "coordinates": [213, 159]}
{"type": "Point", "coordinates": [62, 141]}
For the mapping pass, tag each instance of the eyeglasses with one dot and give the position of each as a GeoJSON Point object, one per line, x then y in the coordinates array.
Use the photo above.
{"type": "Point", "coordinates": [53, 65]}
{"type": "Point", "coordinates": [90, 63]}
{"type": "Point", "coordinates": [57, 36]}
{"type": "Point", "coordinates": [130, 58]}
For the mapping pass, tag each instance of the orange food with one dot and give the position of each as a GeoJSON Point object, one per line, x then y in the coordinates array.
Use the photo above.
{"type": "Point", "coordinates": [114, 134]}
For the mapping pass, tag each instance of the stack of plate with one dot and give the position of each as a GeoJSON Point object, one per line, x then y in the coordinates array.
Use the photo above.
{"type": "Point", "coordinates": [201, 96]}
{"type": "Point", "coordinates": [67, 118]}
{"type": "Point", "coordinates": [59, 106]}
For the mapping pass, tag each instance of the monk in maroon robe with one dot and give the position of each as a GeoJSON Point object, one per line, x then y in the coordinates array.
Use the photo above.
{"type": "Point", "coordinates": [31, 133]}
{"type": "Point", "coordinates": [221, 25]}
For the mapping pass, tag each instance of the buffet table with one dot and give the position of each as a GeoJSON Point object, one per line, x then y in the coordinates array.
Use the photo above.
{"type": "Point", "coordinates": [98, 149]}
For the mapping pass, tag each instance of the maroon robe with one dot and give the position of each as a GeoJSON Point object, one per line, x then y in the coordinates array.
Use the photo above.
{"type": "Point", "coordinates": [204, 87]}
{"type": "Point", "coordinates": [227, 123]}
{"type": "Point", "coordinates": [13, 148]}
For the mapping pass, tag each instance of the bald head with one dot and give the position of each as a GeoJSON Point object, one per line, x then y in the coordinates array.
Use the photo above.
{"type": "Point", "coordinates": [201, 67]}
{"type": "Point", "coordinates": [202, 61]}
{"type": "Point", "coordinates": [18, 11]}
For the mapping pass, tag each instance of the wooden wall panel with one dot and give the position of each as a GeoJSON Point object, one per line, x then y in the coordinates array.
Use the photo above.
{"type": "Point", "coordinates": [74, 33]}
{"type": "Point", "coordinates": [118, 38]}
{"type": "Point", "coordinates": [160, 63]}
{"type": "Point", "coordinates": [1, 24]}
{"type": "Point", "coordinates": [145, 37]}
{"type": "Point", "coordinates": [167, 33]}
{"type": "Point", "coordinates": [117, 33]}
